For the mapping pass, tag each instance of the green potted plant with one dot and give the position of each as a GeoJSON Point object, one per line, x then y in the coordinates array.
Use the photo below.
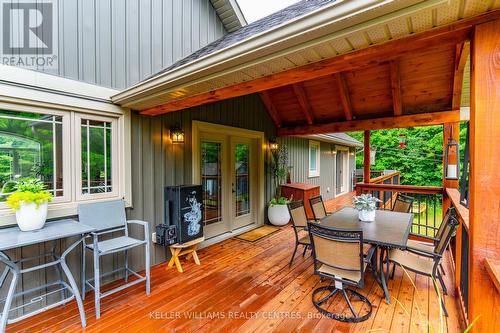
{"type": "Point", "coordinates": [30, 202]}
{"type": "Point", "coordinates": [277, 212]}
{"type": "Point", "coordinates": [366, 205]}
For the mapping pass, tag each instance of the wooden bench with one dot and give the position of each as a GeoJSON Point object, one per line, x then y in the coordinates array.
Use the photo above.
{"type": "Point", "coordinates": [188, 249]}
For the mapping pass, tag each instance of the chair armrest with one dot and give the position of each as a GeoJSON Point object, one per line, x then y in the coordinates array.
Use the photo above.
{"type": "Point", "coordinates": [423, 253]}
{"type": "Point", "coordinates": [144, 224]}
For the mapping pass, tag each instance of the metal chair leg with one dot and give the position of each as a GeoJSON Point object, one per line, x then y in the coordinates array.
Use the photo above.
{"type": "Point", "coordinates": [441, 281]}
{"type": "Point", "coordinates": [84, 271]}
{"type": "Point", "coordinates": [97, 282]}
{"type": "Point", "coordinates": [148, 264]}
{"type": "Point", "coordinates": [305, 249]}
{"type": "Point", "coordinates": [393, 271]}
{"type": "Point", "coordinates": [293, 255]}
{"type": "Point", "coordinates": [443, 306]}
{"type": "Point", "coordinates": [126, 265]}
{"type": "Point", "coordinates": [442, 268]}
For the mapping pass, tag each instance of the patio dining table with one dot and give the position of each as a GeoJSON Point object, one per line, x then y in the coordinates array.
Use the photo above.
{"type": "Point", "coordinates": [389, 230]}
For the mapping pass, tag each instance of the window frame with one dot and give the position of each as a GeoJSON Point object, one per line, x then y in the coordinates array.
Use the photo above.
{"type": "Point", "coordinates": [115, 157]}
{"type": "Point", "coordinates": [66, 150]}
{"type": "Point", "coordinates": [312, 173]}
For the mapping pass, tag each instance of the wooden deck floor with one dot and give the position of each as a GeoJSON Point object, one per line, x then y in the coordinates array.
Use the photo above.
{"type": "Point", "coordinates": [339, 202]}
{"type": "Point", "coordinates": [248, 287]}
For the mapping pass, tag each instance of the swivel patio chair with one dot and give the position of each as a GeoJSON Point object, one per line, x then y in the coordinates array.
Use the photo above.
{"type": "Point", "coordinates": [402, 204]}
{"type": "Point", "coordinates": [109, 217]}
{"type": "Point", "coordinates": [318, 207]}
{"type": "Point", "coordinates": [299, 223]}
{"type": "Point", "coordinates": [426, 261]}
{"type": "Point", "coordinates": [338, 256]}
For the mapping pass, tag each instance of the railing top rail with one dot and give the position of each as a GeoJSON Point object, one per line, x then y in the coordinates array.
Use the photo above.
{"type": "Point", "coordinates": [401, 188]}
{"type": "Point", "coordinates": [462, 212]}
{"type": "Point", "coordinates": [380, 179]}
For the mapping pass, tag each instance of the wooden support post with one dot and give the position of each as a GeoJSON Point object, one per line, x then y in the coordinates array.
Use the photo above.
{"type": "Point", "coordinates": [366, 159]}
{"type": "Point", "coordinates": [484, 206]}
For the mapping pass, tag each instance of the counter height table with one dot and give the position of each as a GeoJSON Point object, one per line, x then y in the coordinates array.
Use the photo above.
{"type": "Point", "coordinates": [12, 238]}
{"type": "Point", "coordinates": [389, 230]}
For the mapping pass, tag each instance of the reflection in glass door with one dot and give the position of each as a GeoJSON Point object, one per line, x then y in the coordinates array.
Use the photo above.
{"type": "Point", "coordinates": [242, 181]}
{"type": "Point", "coordinates": [211, 178]}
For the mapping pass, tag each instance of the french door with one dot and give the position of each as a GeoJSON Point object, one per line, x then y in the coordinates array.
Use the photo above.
{"type": "Point", "coordinates": [229, 178]}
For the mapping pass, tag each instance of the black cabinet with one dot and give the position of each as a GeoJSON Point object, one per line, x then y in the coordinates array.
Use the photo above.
{"type": "Point", "coordinates": [183, 208]}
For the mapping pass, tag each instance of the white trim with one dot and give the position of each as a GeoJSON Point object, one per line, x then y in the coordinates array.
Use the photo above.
{"type": "Point", "coordinates": [311, 173]}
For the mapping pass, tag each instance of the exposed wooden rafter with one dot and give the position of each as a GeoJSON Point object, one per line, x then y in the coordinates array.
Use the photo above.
{"type": "Point", "coordinates": [422, 119]}
{"type": "Point", "coordinates": [461, 55]}
{"type": "Point", "coordinates": [271, 109]}
{"type": "Point", "coordinates": [453, 33]}
{"type": "Point", "coordinates": [344, 95]}
{"type": "Point", "coordinates": [397, 103]}
{"type": "Point", "coordinates": [301, 95]}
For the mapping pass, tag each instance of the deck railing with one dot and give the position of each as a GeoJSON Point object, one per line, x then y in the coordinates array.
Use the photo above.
{"type": "Point", "coordinates": [427, 204]}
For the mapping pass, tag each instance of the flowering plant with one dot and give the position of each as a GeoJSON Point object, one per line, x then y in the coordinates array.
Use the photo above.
{"type": "Point", "coordinates": [28, 190]}
{"type": "Point", "coordinates": [365, 202]}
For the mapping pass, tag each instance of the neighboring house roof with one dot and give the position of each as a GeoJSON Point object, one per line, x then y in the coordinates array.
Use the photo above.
{"type": "Point", "coordinates": [229, 13]}
{"type": "Point", "coordinates": [304, 33]}
{"type": "Point", "coordinates": [338, 138]}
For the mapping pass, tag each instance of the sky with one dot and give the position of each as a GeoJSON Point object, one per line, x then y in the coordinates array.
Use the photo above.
{"type": "Point", "coordinates": [256, 9]}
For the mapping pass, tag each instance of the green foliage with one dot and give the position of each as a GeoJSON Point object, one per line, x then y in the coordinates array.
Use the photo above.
{"type": "Point", "coordinates": [32, 185]}
{"type": "Point", "coordinates": [279, 201]}
{"type": "Point", "coordinates": [279, 168]}
{"type": "Point", "coordinates": [28, 190]}
{"type": "Point", "coordinates": [420, 163]}
{"type": "Point", "coordinates": [365, 202]}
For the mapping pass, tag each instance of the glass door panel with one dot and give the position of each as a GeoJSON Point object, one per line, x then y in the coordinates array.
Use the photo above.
{"type": "Point", "coordinates": [211, 180]}
{"type": "Point", "coordinates": [242, 181]}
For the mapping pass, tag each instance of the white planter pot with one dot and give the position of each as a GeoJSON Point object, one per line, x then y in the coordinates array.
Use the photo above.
{"type": "Point", "coordinates": [367, 215]}
{"type": "Point", "coordinates": [278, 214]}
{"type": "Point", "coordinates": [30, 218]}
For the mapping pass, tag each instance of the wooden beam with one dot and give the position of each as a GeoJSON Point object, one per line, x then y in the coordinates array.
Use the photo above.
{"type": "Point", "coordinates": [422, 119]}
{"type": "Point", "coordinates": [345, 98]}
{"type": "Point", "coordinates": [484, 206]}
{"type": "Point", "coordinates": [301, 96]}
{"type": "Point", "coordinates": [461, 54]}
{"type": "Point", "coordinates": [397, 103]}
{"type": "Point", "coordinates": [373, 55]}
{"type": "Point", "coordinates": [366, 158]}
{"type": "Point", "coordinates": [271, 109]}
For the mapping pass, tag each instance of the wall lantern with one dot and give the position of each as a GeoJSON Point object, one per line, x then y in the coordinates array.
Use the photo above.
{"type": "Point", "coordinates": [177, 134]}
{"type": "Point", "coordinates": [273, 145]}
{"type": "Point", "coordinates": [451, 160]}
{"type": "Point", "coordinates": [402, 141]}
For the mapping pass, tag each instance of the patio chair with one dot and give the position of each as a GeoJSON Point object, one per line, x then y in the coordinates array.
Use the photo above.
{"type": "Point", "coordinates": [338, 256]}
{"type": "Point", "coordinates": [299, 223]}
{"type": "Point", "coordinates": [109, 217]}
{"type": "Point", "coordinates": [318, 207]}
{"type": "Point", "coordinates": [426, 261]}
{"type": "Point", "coordinates": [402, 204]}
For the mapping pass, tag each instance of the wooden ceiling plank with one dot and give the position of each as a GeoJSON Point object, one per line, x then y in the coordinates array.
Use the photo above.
{"type": "Point", "coordinates": [397, 101]}
{"type": "Point", "coordinates": [301, 96]}
{"type": "Point", "coordinates": [344, 95]}
{"type": "Point", "coordinates": [451, 34]}
{"type": "Point", "coordinates": [462, 52]}
{"type": "Point", "coordinates": [423, 119]}
{"type": "Point", "coordinates": [271, 109]}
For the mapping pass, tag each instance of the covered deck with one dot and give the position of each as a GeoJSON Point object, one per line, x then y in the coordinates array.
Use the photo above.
{"type": "Point", "coordinates": [248, 287]}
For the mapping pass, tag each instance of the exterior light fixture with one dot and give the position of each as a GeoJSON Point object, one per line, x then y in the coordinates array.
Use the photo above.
{"type": "Point", "coordinates": [452, 166]}
{"type": "Point", "coordinates": [177, 134]}
{"type": "Point", "coordinates": [273, 145]}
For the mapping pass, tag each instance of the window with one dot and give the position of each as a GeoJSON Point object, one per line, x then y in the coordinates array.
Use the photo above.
{"type": "Point", "coordinates": [52, 146]}
{"type": "Point", "coordinates": [31, 145]}
{"type": "Point", "coordinates": [314, 158]}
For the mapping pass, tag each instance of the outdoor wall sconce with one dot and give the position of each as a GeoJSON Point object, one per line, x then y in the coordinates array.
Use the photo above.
{"type": "Point", "coordinates": [273, 145]}
{"type": "Point", "coordinates": [177, 134]}
{"type": "Point", "coordinates": [452, 168]}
